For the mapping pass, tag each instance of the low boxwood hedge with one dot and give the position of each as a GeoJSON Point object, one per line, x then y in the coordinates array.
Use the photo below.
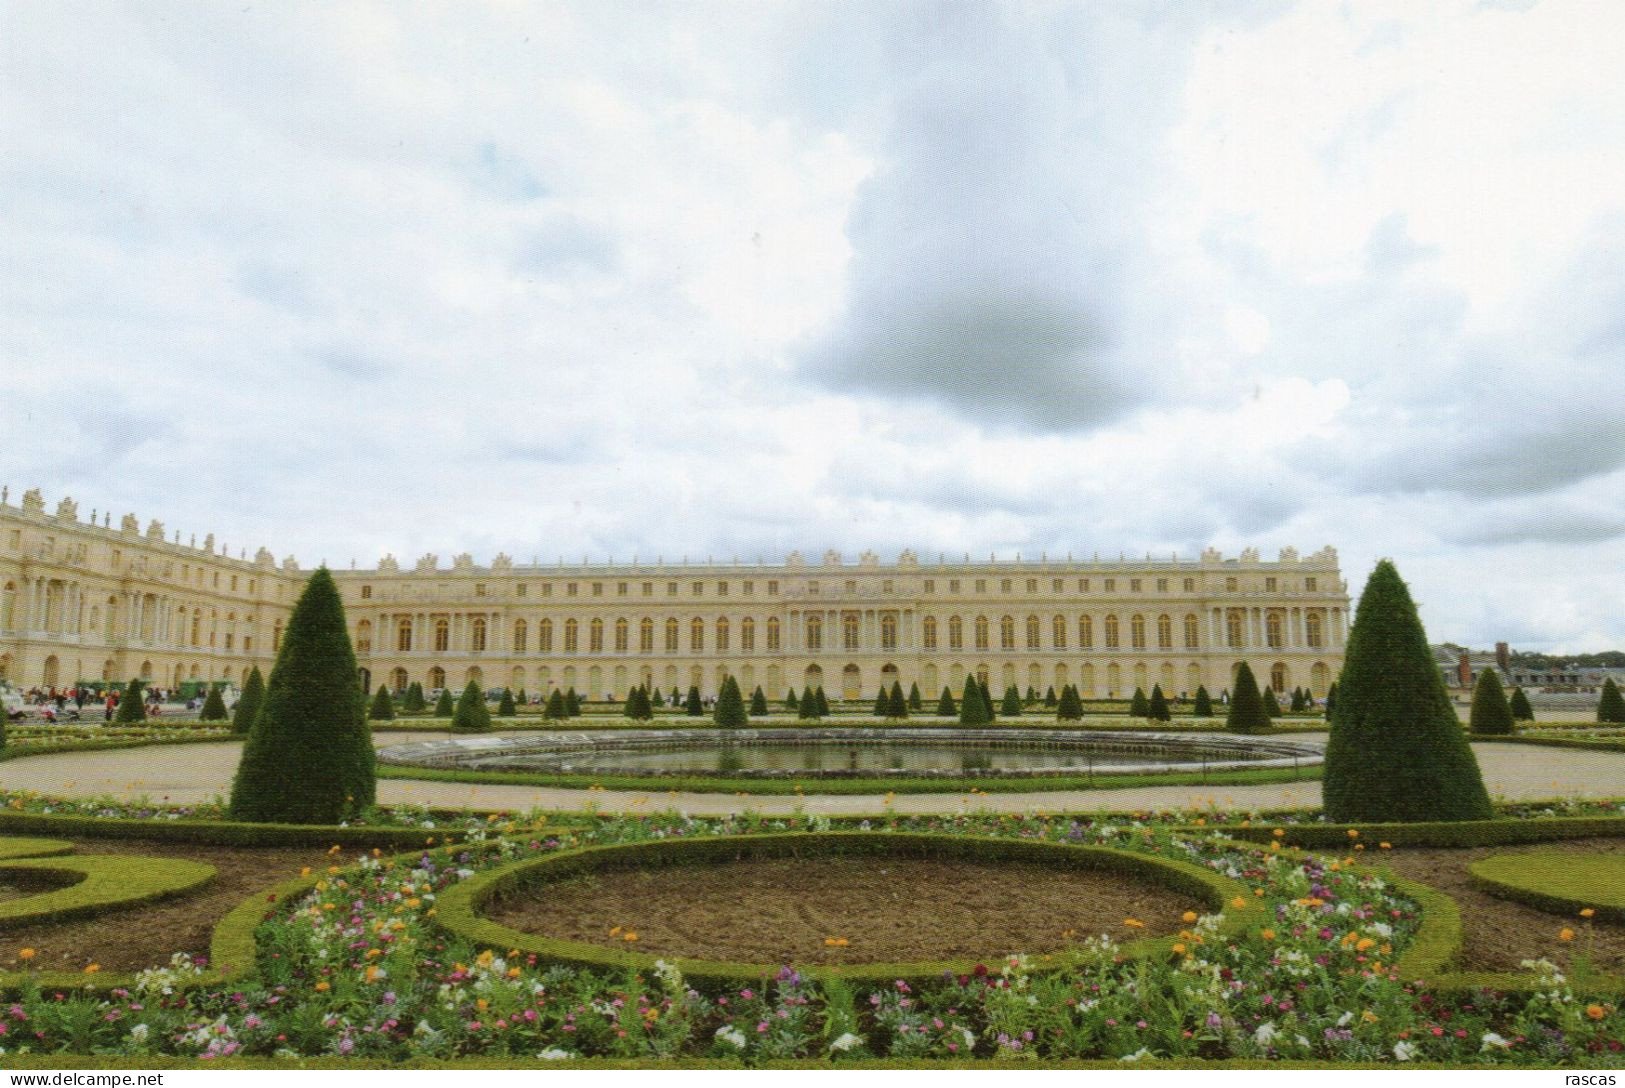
{"type": "Point", "coordinates": [33, 848]}
{"type": "Point", "coordinates": [1558, 882]}
{"type": "Point", "coordinates": [97, 884]}
{"type": "Point", "coordinates": [223, 832]}
{"type": "Point", "coordinates": [458, 908]}
{"type": "Point", "coordinates": [1463, 833]}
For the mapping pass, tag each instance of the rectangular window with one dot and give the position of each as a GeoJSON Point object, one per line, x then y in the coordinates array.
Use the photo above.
{"type": "Point", "coordinates": [930, 585]}
{"type": "Point", "coordinates": [1190, 585]}
{"type": "Point", "coordinates": [547, 589]}
{"type": "Point", "coordinates": [234, 583]}
{"type": "Point", "coordinates": [1230, 585]}
{"type": "Point", "coordinates": [648, 589]}
{"type": "Point", "coordinates": [479, 589]}
{"type": "Point", "coordinates": [366, 592]}
{"type": "Point", "coordinates": [1309, 585]}
{"type": "Point", "coordinates": [981, 585]}
{"type": "Point", "coordinates": [1004, 585]}
{"type": "Point", "coordinates": [598, 589]}
{"type": "Point", "coordinates": [671, 589]}
{"type": "Point", "coordinates": [748, 589]}
{"type": "Point", "coordinates": [953, 585]}
{"type": "Point", "coordinates": [1055, 585]}
{"type": "Point", "coordinates": [699, 589]}
{"type": "Point", "coordinates": [722, 589]}
{"type": "Point", "coordinates": [772, 587]}
{"type": "Point", "coordinates": [885, 586]}
{"type": "Point", "coordinates": [1162, 585]}
{"type": "Point", "coordinates": [1083, 585]}
{"type": "Point", "coordinates": [570, 590]}
{"type": "Point", "coordinates": [1111, 585]}
{"type": "Point", "coordinates": [851, 587]}
{"type": "Point", "coordinates": [621, 589]}
{"type": "Point", "coordinates": [521, 590]}
{"type": "Point", "coordinates": [1032, 585]}
{"type": "Point", "coordinates": [1269, 585]}
{"type": "Point", "coordinates": [1134, 585]}
{"type": "Point", "coordinates": [812, 589]}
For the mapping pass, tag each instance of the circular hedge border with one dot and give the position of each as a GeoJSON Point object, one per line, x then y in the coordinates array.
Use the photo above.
{"type": "Point", "coordinates": [459, 907]}
{"type": "Point", "coordinates": [1558, 882]}
{"type": "Point", "coordinates": [96, 884]}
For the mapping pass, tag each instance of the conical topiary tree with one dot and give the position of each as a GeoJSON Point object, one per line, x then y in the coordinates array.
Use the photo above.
{"type": "Point", "coordinates": [414, 700]}
{"type": "Point", "coordinates": [656, 699]}
{"type": "Point", "coordinates": [758, 702]}
{"type": "Point", "coordinates": [1069, 707]}
{"type": "Point", "coordinates": [1050, 700]}
{"type": "Point", "coordinates": [383, 707]}
{"type": "Point", "coordinates": [899, 703]}
{"type": "Point", "coordinates": [248, 704]}
{"type": "Point", "coordinates": [1519, 705]}
{"type": "Point", "coordinates": [1331, 699]}
{"type": "Point", "coordinates": [1611, 707]}
{"type": "Point", "coordinates": [693, 706]}
{"type": "Point", "coordinates": [471, 714]}
{"type": "Point", "coordinates": [807, 705]}
{"type": "Point", "coordinates": [790, 700]}
{"type": "Point", "coordinates": [214, 707]}
{"type": "Point", "coordinates": [638, 707]}
{"type": "Point", "coordinates": [1139, 706]}
{"type": "Point", "coordinates": [1247, 713]}
{"type": "Point", "coordinates": [1491, 716]}
{"type": "Point", "coordinates": [914, 702]}
{"type": "Point", "coordinates": [883, 703]}
{"type": "Point", "coordinates": [572, 703]}
{"type": "Point", "coordinates": [520, 698]}
{"type": "Point", "coordinates": [131, 706]}
{"type": "Point", "coordinates": [556, 710]}
{"type": "Point", "coordinates": [945, 705]}
{"type": "Point", "coordinates": [989, 707]}
{"type": "Point", "coordinates": [729, 712]}
{"type": "Point", "coordinates": [1271, 707]}
{"type": "Point", "coordinates": [443, 706]}
{"type": "Point", "coordinates": [1202, 706]}
{"type": "Point", "coordinates": [1396, 750]}
{"type": "Point", "coordinates": [309, 756]}
{"type": "Point", "coordinates": [823, 702]}
{"type": "Point", "coordinates": [1157, 706]}
{"type": "Point", "coordinates": [506, 707]}
{"type": "Point", "coordinates": [1012, 702]}
{"type": "Point", "coordinates": [972, 711]}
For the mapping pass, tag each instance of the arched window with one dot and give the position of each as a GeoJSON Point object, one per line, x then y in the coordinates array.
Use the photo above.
{"type": "Point", "coordinates": [197, 627]}
{"type": "Point", "coordinates": [1111, 632]}
{"type": "Point", "coordinates": [437, 677]}
{"type": "Point", "coordinates": [772, 633]}
{"type": "Point", "coordinates": [477, 634]}
{"type": "Point", "coordinates": [1007, 633]}
{"type": "Point", "coordinates": [1191, 640]}
{"type": "Point", "coordinates": [544, 636]}
{"type": "Point", "coordinates": [981, 632]}
{"type": "Point", "coordinates": [520, 631]}
{"type": "Point", "coordinates": [1279, 677]}
{"type": "Point", "coordinates": [571, 635]}
{"type": "Point", "coordinates": [1136, 631]}
{"type": "Point", "coordinates": [442, 635]}
{"type": "Point", "coordinates": [1312, 629]}
{"type": "Point", "coordinates": [722, 634]}
{"type": "Point", "coordinates": [849, 630]}
{"type": "Point", "coordinates": [595, 637]}
{"type": "Point", "coordinates": [398, 680]}
{"type": "Point", "coordinates": [928, 633]}
{"type": "Point", "coordinates": [622, 632]}
{"type": "Point", "coordinates": [363, 637]}
{"type": "Point", "coordinates": [1058, 632]}
{"type": "Point", "coordinates": [1232, 628]}
{"type": "Point", "coordinates": [276, 634]}
{"type": "Point", "coordinates": [815, 631]}
{"type": "Point", "coordinates": [1165, 632]}
{"type": "Point", "coordinates": [888, 631]}
{"type": "Point", "coordinates": [747, 635]}
{"type": "Point", "coordinates": [956, 633]}
{"type": "Point", "coordinates": [1272, 630]}
{"type": "Point", "coordinates": [646, 635]}
{"type": "Point", "coordinates": [1086, 633]}
{"type": "Point", "coordinates": [696, 635]}
{"type": "Point", "coordinates": [671, 635]}
{"type": "Point", "coordinates": [1033, 630]}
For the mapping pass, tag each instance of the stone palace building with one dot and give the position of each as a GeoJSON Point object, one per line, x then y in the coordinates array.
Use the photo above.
{"type": "Point", "coordinates": [88, 600]}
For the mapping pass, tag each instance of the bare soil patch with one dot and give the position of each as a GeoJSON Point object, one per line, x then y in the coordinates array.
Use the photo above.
{"type": "Point", "coordinates": [1497, 933]}
{"type": "Point", "coordinates": [130, 939]}
{"type": "Point", "coordinates": [782, 911]}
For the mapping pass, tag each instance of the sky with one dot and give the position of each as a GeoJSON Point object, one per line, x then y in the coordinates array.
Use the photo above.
{"type": "Point", "coordinates": [716, 280]}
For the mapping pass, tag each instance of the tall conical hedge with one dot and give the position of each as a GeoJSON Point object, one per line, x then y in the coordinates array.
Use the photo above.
{"type": "Point", "coordinates": [132, 707]}
{"type": "Point", "coordinates": [248, 704]}
{"type": "Point", "coordinates": [1611, 707]}
{"type": "Point", "coordinates": [471, 715]}
{"type": "Point", "coordinates": [1203, 704]}
{"type": "Point", "coordinates": [520, 698]}
{"type": "Point", "coordinates": [1069, 707]}
{"type": "Point", "coordinates": [899, 702]}
{"type": "Point", "coordinates": [308, 758]}
{"type": "Point", "coordinates": [572, 703]}
{"type": "Point", "coordinates": [945, 705]}
{"type": "Point", "coordinates": [914, 702]}
{"type": "Point", "coordinates": [1247, 713]}
{"type": "Point", "coordinates": [758, 702]}
{"type": "Point", "coordinates": [1396, 750]}
{"type": "Point", "coordinates": [693, 706]}
{"type": "Point", "coordinates": [414, 700]}
{"type": "Point", "coordinates": [383, 707]}
{"type": "Point", "coordinates": [972, 711]}
{"type": "Point", "coordinates": [790, 700]}
{"type": "Point", "coordinates": [989, 708]}
{"type": "Point", "coordinates": [555, 710]}
{"type": "Point", "coordinates": [1012, 702]}
{"type": "Point", "coordinates": [656, 699]}
{"type": "Point", "coordinates": [823, 702]}
{"type": "Point", "coordinates": [1491, 715]}
{"type": "Point", "coordinates": [506, 708]}
{"type": "Point", "coordinates": [1050, 701]}
{"type": "Point", "coordinates": [638, 707]}
{"type": "Point", "coordinates": [807, 705]}
{"type": "Point", "coordinates": [214, 707]}
{"type": "Point", "coordinates": [1139, 706]}
{"type": "Point", "coordinates": [443, 706]}
{"type": "Point", "coordinates": [883, 703]}
{"type": "Point", "coordinates": [1519, 705]}
{"type": "Point", "coordinates": [1271, 706]}
{"type": "Point", "coordinates": [1158, 706]}
{"type": "Point", "coordinates": [729, 712]}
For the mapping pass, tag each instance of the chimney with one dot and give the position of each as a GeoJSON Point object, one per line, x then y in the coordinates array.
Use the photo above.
{"type": "Point", "coordinates": [1464, 671]}
{"type": "Point", "coordinates": [1502, 657]}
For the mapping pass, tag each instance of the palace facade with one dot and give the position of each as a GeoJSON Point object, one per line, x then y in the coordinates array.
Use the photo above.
{"type": "Point", "coordinates": [84, 600]}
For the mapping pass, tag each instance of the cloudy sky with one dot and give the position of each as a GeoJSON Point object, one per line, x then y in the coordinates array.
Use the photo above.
{"type": "Point", "coordinates": [728, 279]}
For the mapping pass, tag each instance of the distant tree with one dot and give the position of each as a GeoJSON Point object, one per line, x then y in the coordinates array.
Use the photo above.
{"type": "Point", "coordinates": [572, 702]}
{"type": "Point", "coordinates": [729, 712]}
{"type": "Point", "coordinates": [758, 702]}
{"type": "Point", "coordinates": [1157, 710]}
{"type": "Point", "coordinates": [945, 705]}
{"type": "Point", "coordinates": [1050, 700]}
{"type": "Point", "coordinates": [505, 706]}
{"type": "Point", "coordinates": [883, 703]}
{"type": "Point", "coordinates": [1271, 707]}
{"type": "Point", "coordinates": [1611, 707]}
{"type": "Point", "coordinates": [557, 709]}
{"type": "Point", "coordinates": [1032, 695]}
{"type": "Point", "coordinates": [989, 709]}
{"type": "Point", "coordinates": [1491, 715]}
{"type": "Point", "coordinates": [1247, 713]}
{"type": "Point", "coordinates": [1331, 699]}
{"type": "Point", "coordinates": [1203, 707]}
{"type": "Point", "coordinates": [248, 705]}
{"type": "Point", "coordinates": [1069, 708]}
{"type": "Point", "coordinates": [1012, 702]}
{"type": "Point", "coordinates": [131, 706]}
{"type": "Point", "coordinates": [693, 705]}
{"type": "Point", "coordinates": [638, 706]}
{"type": "Point", "coordinates": [791, 702]}
{"type": "Point", "coordinates": [655, 698]}
{"type": "Point", "coordinates": [383, 707]}
{"type": "Point", "coordinates": [823, 702]}
{"type": "Point", "coordinates": [1139, 706]}
{"type": "Point", "coordinates": [471, 714]}
{"type": "Point", "coordinates": [972, 711]}
{"type": "Point", "coordinates": [443, 705]}
{"type": "Point", "coordinates": [1296, 702]}
{"type": "Point", "coordinates": [1519, 704]}
{"type": "Point", "coordinates": [914, 702]}
{"type": "Point", "coordinates": [414, 701]}
{"type": "Point", "coordinates": [807, 705]}
{"type": "Point", "coordinates": [899, 704]}
{"type": "Point", "coordinates": [214, 706]}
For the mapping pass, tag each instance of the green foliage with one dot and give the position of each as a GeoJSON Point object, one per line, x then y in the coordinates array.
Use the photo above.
{"type": "Point", "coordinates": [883, 703]}
{"type": "Point", "coordinates": [1331, 699]}
{"type": "Point", "coordinates": [1611, 707]}
{"type": "Point", "coordinates": [309, 757]}
{"type": "Point", "coordinates": [1012, 702]}
{"type": "Point", "coordinates": [945, 705]}
{"type": "Point", "coordinates": [823, 702]}
{"type": "Point", "coordinates": [214, 707]}
{"type": "Point", "coordinates": [556, 710]}
{"type": "Point", "coordinates": [1069, 708]}
{"type": "Point", "coordinates": [1561, 882]}
{"type": "Point", "coordinates": [248, 705]}
{"type": "Point", "coordinates": [639, 707]}
{"type": "Point", "coordinates": [899, 704]}
{"type": "Point", "coordinates": [1203, 707]}
{"type": "Point", "coordinates": [989, 710]}
{"type": "Point", "coordinates": [572, 703]}
{"type": "Point", "coordinates": [1050, 701]}
{"type": "Point", "coordinates": [693, 706]}
{"type": "Point", "coordinates": [1271, 707]}
{"type": "Point", "coordinates": [1296, 704]}
{"type": "Point", "coordinates": [1247, 713]}
{"type": "Point", "coordinates": [1139, 706]}
{"type": "Point", "coordinates": [471, 715]}
{"type": "Point", "coordinates": [96, 884]}
{"type": "Point", "coordinates": [914, 702]}
{"type": "Point", "coordinates": [758, 702]}
{"type": "Point", "coordinates": [443, 706]}
{"type": "Point", "coordinates": [790, 700]}
{"type": "Point", "coordinates": [729, 713]}
{"type": "Point", "coordinates": [972, 711]}
{"type": "Point", "coordinates": [807, 705]}
{"type": "Point", "coordinates": [655, 699]}
{"type": "Point", "coordinates": [1491, 715]}
{"type": "Point", "coordinates": [520, 698]}
{"type": "Point", "coordinates": [506, 707]}
{"type": "Point", "coordinates": [414, 700]}
{"type": "Point", "coordinates": [1519, 705]}
{"type": "Point", "coordinates": [1158, 707]}
{"type": "Point", "coordinates": [131, 706]}
{"type": "Point", "coordinates": [1396, 751]}
{"type": "Point", "coordinates": [383, 707]}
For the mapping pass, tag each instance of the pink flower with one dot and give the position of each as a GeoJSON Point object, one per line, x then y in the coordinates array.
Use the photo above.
{"type": "Point", "coordinates": [761, 1027]}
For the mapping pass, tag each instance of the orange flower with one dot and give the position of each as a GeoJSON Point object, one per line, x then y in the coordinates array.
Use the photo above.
{"type": "Point", "coordinates": [323, 986]}
{"type": "Point", "coordinates": [1596, 1012]}
{"type": "Point", "coordinates": [1565, 934]}
{"type": "Point", "coordinates": [1278, 832]}
{"type": "Point", "coordinates": [26, 954]}
{"type": "Point", "coordinates": [1238, 902]}
{"type": "Point", "coordinates": [1267, 934]}
{"type": "Point", "coordinates": [1353, 834]}
{"type": "Point", "coordinates": [93, 968]}
{"type": "Point", "coordinates": [1587, 912]}
{"type": "Point", "coordinates": [1134, 923]}
{"type": "Point", "coordinates": [629, 937]}
{"type": "Point", "coordinates": [1179, 948]}
{"type": "Point", "coordinates": [1188, 916]}
{"type": "Point", "coordinates": [1384, 846]}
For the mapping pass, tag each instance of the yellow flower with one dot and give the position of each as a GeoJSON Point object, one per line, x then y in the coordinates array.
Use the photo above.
{"type": "Point", "coordinates": [1238, 902]}
{"type": "Point", "coordinates": [1267, 934]}
{"type": "Point", "coordinates": [630, 937]}
{"type": "Point", "coordinates": [374, 953]}
{"type": "Point", "coordinates": [513, 972]}
{"type": "Point", "coordinates": [1278, 832]}
{"type": "Point", "coordinates": [482, 1004]}
{"type": "Point", "coordinates": [1180, 949]}
{"type": "Point", "coordinates": [1134, 923]}
{"type": "Point", "coordinates": [1587, 912]}
{"type": "Point", "coordinates": [1368, 1016]}
{"type": "Point", "coordinates": [305, 871]}
{"type": "Point", "coordinates": [1384, 846]}
{"type": "Point", "coordinates": [1565, 934]}
{"type": "Point", "coordinates": [93, 968]}
{"type": "Point", "coordinates": [1596, 1012]}
{"type": "Point", "coordinates": [616, 932]}
{"type": "Point", "coordinates": [323, 987]}
{"type": "Point", "coordinates": [26, 954]}
{"type": "Point", "coordinates": [1363, 943]}
{"type": "Point", "coordinates": [1188, 916]}
{"type": "Point", "coordinates": [1353, 834]}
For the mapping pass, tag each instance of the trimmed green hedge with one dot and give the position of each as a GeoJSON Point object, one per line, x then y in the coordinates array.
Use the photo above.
{"type": "Point", "coordinates": [223, 832]}
{"type": "Point", "coordinates": [1462, 833]}
{"type": "Point", "coordinates": [1556, 882]}
{"type": "Point", "coordinates": [459, 906]}
{"type": "Point", "coordinates": [97, 884]}
{"type": "Point", "coordinates": [33, 848]}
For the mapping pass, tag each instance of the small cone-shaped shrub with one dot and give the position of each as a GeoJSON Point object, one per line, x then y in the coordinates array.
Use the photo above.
{"type": "Point", "coordinates": [945, 705]}
{"type": "Point", "coordinates": [1032, 695]}
{"type": "Point", "coordinates": [1396, 750]}
{"type": "Point", "coordinates": [823, 702]}
{"type": "Point", "coordinates": [972, 711]}
{"type": "Point", "coordinates": [791, 702]}
{"type": "Point", "coordinates": [637, 705]}
{"type": "Point", "coordinates": [383, 707]}
{"type": "Point", "coordinates": [1012, 702]}
{"type": "Point", "coordinates": [1331, 699]}
{"type": "Point", "coordinates": [1050, 700]}
{"type": "Point", "coordinates": [131, 706]}
{"type": "Point", "coordinates": [1139, 706]}
{"type": "Point", "coordinates": [248, 705]}
{"type": "Point", "coordinates": [1491, 715]}
{"type": "Point", "coordinates": [758, 702]}
{"type": "Point", "coordinates": [899, 704]}
{"type": "Point", "coordinates": [729, 712]}
{"type": "Point", "coordinates": [1158, 706]}
{"type": "Point", "coordinates": [693, 706]}
{"type": "Point", "coordinates": [1203, 706]}
{"type": "Point", "coordinates": [1247, 713]}
{"type": "Point", "coordinates": [883, 703]}
{"type": "Point", "coordinates": [807, 705]}
{"type": "Point", "coordinates": [1519, 705]}
{"type": "Point", "coordinates": [572, 703]}
{"type": "Point", "coordinates": [414, 700]}
{"type": "Point", "coordinates": [1271, 707]}
{"type": "Point", "coordinates": [655, 698]}
{"type": "Point", "coordinates": [471, 714]}
{"type": "Point", "coordinates": [520, 698]}
{"type": "Point", "coordinates": [309, 757]}
{"type": "Point", "coordinates": [556, 710]}
{"type": "Point", "coordinates": [1611, 707]}
{"type": "Point", "coordinates": [443, 706]}
{"type": "Point", "coordinates": [214, 707]}
{"type": "Point", "coordinates": [506, 708]}
{"type": "Point", "coordinates": [989, 708]}
{"type": "Point", "coordinates": [914, 702]}
{"type": "Point", "coordinates": [1069, 708]}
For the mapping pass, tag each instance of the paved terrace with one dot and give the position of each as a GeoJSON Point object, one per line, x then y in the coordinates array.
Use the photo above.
{"type": "Point", "coordinates": [192, 773]}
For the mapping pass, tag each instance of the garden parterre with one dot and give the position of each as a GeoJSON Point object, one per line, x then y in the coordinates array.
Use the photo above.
{"type": "Point", "coordinates": [360, 968]}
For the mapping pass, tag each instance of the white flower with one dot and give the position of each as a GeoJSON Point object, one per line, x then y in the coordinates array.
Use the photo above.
{"type": "Point", "coordinates": [553, 1054]}
{"type": "Point", "coordinates": [1137, 1055]}
{"type": "Point", "coordinates": [1381, 929]}
{"type": "Point", "coordinates": [1403, 1050]}
{"type": "Point", "coordinates": [1343, 1021]}
{"type": "Point", "coordinates": [1264, 1033]}
{"type": "Point", "coordinates": [1493, 1041]}
{"type": "Point", "coordinates": [138, 1034]}
{"type": "Point", "coordinates": [732, 1035]}
{"type": "Point", "coordinates": [846, 1042]}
